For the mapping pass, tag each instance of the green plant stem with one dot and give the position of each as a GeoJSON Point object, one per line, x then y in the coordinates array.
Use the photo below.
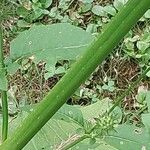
{"type": "Point", "coordinates": [131, 87]}
{"type": "Point", "coordinates": [3, 93]}
{"type": "Point", "coordinates": [78, 73]}
{"type": "Point", "coordinates": [5, 115]}
{"type": "Point", "coordinates": [71, 144]}
{"type": "Point", "coordinates": [142, 110]}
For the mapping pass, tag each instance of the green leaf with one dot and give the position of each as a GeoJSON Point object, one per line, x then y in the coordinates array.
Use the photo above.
{"type": "Point", "coordinates": [12, 68]}
{"type": "Point", "coordinates": [96, 109]}
{"type": "Point", "coordinates": [110, 86]}
{"type": "Point", "coordinates": [118, 4]}
{"type": "Point", "coordinates": [22, 11]}
{"type": "Point", "coordinates": [50, 136]}
{"type": "Point", "coordinates": [60, 70]}
{"type": "Point", "coordinates": [50, 43]}
{"type": "Point", "coordinates": [23, 24]}
{"type": "Point", "coordinates": [53, 134]}
{"type": "Point", "coordinates": [38, 12]}
{"type": "Point", "coordinates": [91, 28]}
{"type": "Point", "coordinates": [53, 71]}
{"type": "Point", "coordinates": [3, 81]}
{"type": "Point", "coordinates": [148, 74]}
{"type": "Point", "coordinates": [110, 10]}
{"type": "Point", "coordinates": [98, 10]}
{"type": "Point", "coordinates": [141, 96]}
{"type": "Point", "coordinates": [129, 137]}
{"type": "Point", "coordinates": [46, 3]}
{"type": "Point", "coordinates": [85, 7]}
{"type": "Point", "coordinates": [78, 114]}
{"type": "Point", "coordinates": [142, 45]}
{"type": "Point", "coordinates": [61, 128]}
{"type": "Point", "coordinates": [70, 114]}
{"type": "Point", "coordinates": [146, 121]}
{"type": "Point", "coordinates": [99, 145]}
{"type": "Point", "coordinates": [99, 108]}
{"type": "Point", "coordinates": [147, 14]}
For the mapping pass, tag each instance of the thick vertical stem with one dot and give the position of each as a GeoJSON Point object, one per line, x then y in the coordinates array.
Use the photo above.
{"type": "Point", "coordinates": [3, 93]}
{"type": "Point", "coordinates": [5, 116]}
{"type": "Point", "coordinates": [79, 72]}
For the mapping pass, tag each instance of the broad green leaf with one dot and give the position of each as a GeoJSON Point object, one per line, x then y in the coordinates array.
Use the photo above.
{"type": "Point", "coordinates": [78, 114]}
{"type": "Point", "coordinates": [99, 145]}
{"type": "Point", "coordinates": [3, 81]}
{"type": "Point", "coordinates": [129, 137]}
{"type": "Point", "coordinates": [66, 113]}
{"type": "Point", "coordinates": [61, 128]}
{"type": "Point", "coordinates": [50, 43]}
{"type": "Point", "coordinates": [50, 136]}
{"type": "Point", "coordinates": [70, 114]}
{"type": "Point", "coordinates": [99, 108]}
{"type": "Point", "coordinates": [96, 109]}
